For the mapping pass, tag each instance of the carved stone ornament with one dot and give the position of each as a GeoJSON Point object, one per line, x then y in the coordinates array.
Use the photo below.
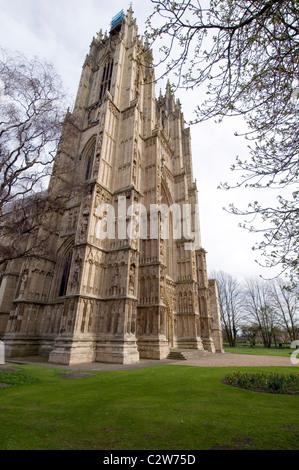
{"type": "Point", "coordinates": [93, 113]}
{"type": "Point", "coordinates": [77, 270]}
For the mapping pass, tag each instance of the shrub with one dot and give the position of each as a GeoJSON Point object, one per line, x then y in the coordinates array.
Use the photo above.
{"type": "Point", "coordinates": [261, 382]}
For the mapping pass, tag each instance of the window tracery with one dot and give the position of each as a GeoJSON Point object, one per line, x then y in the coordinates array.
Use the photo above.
{"type": "Point", "coordinates": [88, 158]}
{"type": "Point", "coordinates": [106, 78]}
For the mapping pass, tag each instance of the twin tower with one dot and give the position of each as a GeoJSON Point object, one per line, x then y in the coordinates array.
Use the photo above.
{"type": "Point", "coordinates": [123, 275]}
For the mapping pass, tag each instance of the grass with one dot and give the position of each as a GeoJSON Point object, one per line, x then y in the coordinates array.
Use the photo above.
{"type": "Point", "coordinates": [165, 407]}
{"type": "Point", "coordinates": [260, 350]}
{"type": "Point", "coordinates": [15, 377]}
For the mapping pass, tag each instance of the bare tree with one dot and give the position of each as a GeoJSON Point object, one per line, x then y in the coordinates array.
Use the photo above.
{"type": "Point", "coordinates": [244, 56]}
{"type": "Point", "coordinates": [286, 303]}
{"type": "Point", "coordinates": [32, 113]}
{"type": "Point", "coordinates": [230, 302]}
{"type": "Point", "coordinates": [32, 109]}
{"type": "Point", "coordinates": [259, 310]}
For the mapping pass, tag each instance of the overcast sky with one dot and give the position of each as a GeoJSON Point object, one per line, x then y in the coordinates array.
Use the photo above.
{"type": "Point", "coordinates": [61, 31]}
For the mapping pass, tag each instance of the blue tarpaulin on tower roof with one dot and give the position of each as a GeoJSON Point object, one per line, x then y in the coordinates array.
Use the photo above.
{"type": "Point", "coordinates": [117, 19]}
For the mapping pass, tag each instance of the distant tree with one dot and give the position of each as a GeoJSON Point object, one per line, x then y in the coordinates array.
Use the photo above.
{"type": "Point", "coordinates": [286, 303]}
{"type": "Point", "coordinates": [230, 303]}
{"type": "Point", "coordinates": [250, 332]}
{"type": "Point", "coordinates": [258, 308]}
{"type": "Point", "coordinates": [32, 112]}
{"type": "Point", "coordinates": [244, 56]}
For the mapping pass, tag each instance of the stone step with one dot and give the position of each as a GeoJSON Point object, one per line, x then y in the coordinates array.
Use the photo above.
{"type": "Point", "coordinates": [177, 356]}
{"type": "Point", "coordinates": [185, 354]}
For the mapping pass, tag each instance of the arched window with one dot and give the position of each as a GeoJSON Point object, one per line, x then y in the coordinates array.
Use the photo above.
{"type": "Point", "coordinates": [63, 267]}
{"type": "Point", "coordinates": [88, 158]}
{"type": "Point", "coordinates": [65, 274]}
{"type": "Point", "coordinates": [106, 78]}
{"type": "Point", "coordinates": [166, 199]}
{"type": "Point", "coordinates": [88, 168]}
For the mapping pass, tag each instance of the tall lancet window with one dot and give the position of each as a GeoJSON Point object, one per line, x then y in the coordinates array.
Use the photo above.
{"type": "Point", "coordinates": [88, 168]}
{"type": "Point", "coordinates": [106, 78]}
{"type": "Point", "coordinates": [88, 158]}
{"type": "Point", "coordinates": [169, 247]}
{"type": "Point", "coordinates": [65, 274]}
{"type": "Point", "coordinates": [167, 226]}
{"type": "Point", "coordinates": [63, 268]}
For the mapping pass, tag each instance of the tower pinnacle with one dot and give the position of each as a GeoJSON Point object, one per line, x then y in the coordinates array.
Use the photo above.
{"type": "Point", "coordinates": [130, 12]}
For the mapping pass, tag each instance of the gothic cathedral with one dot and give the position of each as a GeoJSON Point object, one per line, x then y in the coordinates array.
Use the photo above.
{"type": "Point", "coordinates": [113, 285]}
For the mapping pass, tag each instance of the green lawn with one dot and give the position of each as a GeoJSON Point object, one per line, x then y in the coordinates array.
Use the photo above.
{"type": "Point", "coordinates": [260, 350]}
{"type": "Point", "coordinates": [155, 408]}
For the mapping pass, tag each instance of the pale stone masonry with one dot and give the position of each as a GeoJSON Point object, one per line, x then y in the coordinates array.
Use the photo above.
{"type": "Point", "coordinates": [116, 299]}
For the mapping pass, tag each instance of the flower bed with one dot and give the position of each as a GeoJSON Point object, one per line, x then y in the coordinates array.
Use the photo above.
{"type": "Point", "coordinates": [267, 383]}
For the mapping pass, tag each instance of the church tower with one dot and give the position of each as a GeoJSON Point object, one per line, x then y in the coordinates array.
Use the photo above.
{"type": "Point", "coordinates": [124, 276]}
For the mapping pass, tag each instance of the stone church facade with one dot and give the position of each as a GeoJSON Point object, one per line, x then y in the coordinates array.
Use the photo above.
{"type": "Point", "coordinates": [99, 291]}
